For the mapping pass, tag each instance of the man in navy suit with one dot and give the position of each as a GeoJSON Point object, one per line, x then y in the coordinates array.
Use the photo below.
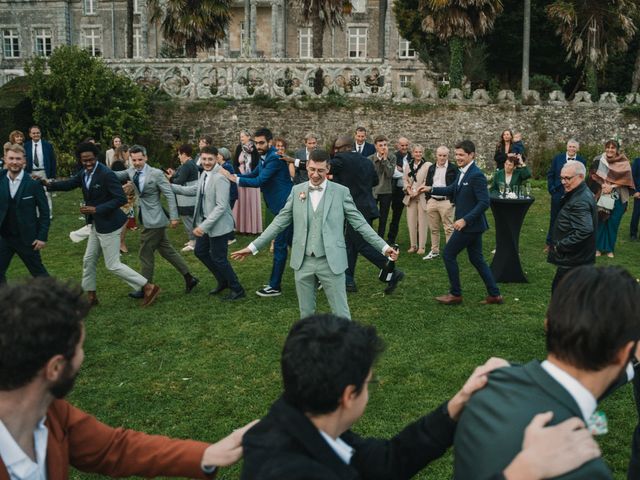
{"type": "Point", "coordinates": [471, 198]}
{"type": "Point", "coordinates": [24, 216]}
{"type": "Point", "coordinates": [554, 185]}
{"type": "Point", "coordinates": [361, 146]}
{"type": "Point", "coordinates": [41, 158]}
{"type": "Point", "coordinates": [103, 197]}
{"type": "Point", "coordinates": [272, 177]}
{"type": "Point", "coordinates": [633, 227]}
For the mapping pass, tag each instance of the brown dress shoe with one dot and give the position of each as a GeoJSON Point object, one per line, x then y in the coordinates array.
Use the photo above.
{"type": "Point", "coordinates": [93, 298]}
{"type": "Point", "coordinates": [151, 292]}
{"type": "Point", "coordinates": [546, 248]}
{"type": "Point", "coordinates": [449, 299]}
{"type": "Point", "coordinates": [498, 300]}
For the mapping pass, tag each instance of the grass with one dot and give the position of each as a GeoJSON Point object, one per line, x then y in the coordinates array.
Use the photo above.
{"type": "Point", "coordinates": [193, 366]}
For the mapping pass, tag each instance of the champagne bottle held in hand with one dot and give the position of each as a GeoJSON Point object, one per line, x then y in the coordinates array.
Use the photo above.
{"type": "Point", "coordinates": [387, 271]}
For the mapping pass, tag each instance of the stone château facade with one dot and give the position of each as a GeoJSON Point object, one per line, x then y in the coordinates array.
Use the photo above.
{"type": "Point", "coordinates": [264, 29]}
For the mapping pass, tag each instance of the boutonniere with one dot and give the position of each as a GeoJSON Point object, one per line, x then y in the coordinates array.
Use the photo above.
{"type": "Point", "coordinates": [302, 196]}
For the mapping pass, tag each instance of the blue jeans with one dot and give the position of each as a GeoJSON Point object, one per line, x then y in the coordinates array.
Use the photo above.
{"type": "Point", "coordinates": [473, 243]}
{"type": "Point", "coordinates": [212, 252]}
{"type": "Point", "coordinates": [282, 241]}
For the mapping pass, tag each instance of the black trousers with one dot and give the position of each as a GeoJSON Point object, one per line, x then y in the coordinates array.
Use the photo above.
{"type": "Point", "coordinates": [396, 213]}
{"type": "Point", "coordinates": [212, 252]}
{"type": "Point", "coordinates": [11, 246]}
{"type": "Point", "coordinates": [384, 204]}
{"type": "Point", "coordinates": [634, 463]}
{"type": "Point", "coordinates": [560, 273]}
{"type": "Point", "coordinates": [356, 244]}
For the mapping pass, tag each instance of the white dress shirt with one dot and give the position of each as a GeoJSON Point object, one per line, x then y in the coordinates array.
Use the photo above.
{"type": "Point", "coordinates": [440, 177]}
{"type": "Point", "coordinates": [463, 171]}
{"type": "Point", "coordinates": [37, 148]}
{"type": "Point", "coordinates": [141, 178]}
{"type": "Point", "coordinates": [583, 397]}
{"type": "Point", "coordinates": [342, 448]}
{"type": "Point", "coordinates": [15, 184]}
{"type": "Point", "coordinates": [19, 465]}
{"type": "Point", "coordinates": [316, 195]}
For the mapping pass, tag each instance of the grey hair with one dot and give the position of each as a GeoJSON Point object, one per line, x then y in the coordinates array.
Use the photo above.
{"type": "Point", "coordinates": [574, 141]}
{"type": "Point", "coordinates": [246, 132]}
{"type": "Point", "coordinates": [578, 167]}
{"type": "Point", "coordinates": [309, 136]}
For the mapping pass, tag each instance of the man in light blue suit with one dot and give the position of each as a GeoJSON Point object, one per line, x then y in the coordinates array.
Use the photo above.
{"type": "Point", "coordinates": [317, 209]}
{"type": "Point", "coordinates": [272, 177]}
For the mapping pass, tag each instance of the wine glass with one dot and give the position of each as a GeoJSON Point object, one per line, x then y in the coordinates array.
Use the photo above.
{"type": "Point", "coordinates": [527, 189]}
{"type": "Point", "coordinates": [501, 188]}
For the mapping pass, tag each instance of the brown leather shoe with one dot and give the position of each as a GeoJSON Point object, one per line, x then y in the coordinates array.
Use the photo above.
{"type": "Point", "coordinates": [449, 299]}
{"type": "Point", "coordinates": [498, 300]}
{"type": "Point", "coordinates": [151, 292]}
{"type": "Point", "coordinates": [547, 248]}
{"type": "Point", "coordinates": [93, 298]}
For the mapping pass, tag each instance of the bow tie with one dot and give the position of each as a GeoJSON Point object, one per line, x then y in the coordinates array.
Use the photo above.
{"type": "Point", "coordinates": [571, 158]}
{"type": "Point", "coordinates": [315, 189]}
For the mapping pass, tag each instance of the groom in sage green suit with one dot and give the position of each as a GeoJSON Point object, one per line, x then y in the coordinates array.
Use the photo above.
{"type": "Point", "coordinates": [318, 209]}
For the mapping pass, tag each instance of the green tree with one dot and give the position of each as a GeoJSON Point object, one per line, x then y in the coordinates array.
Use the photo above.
{"type": "Point", "coordinates": [192, 24]}
{"type": "Point", "coordinates": [321, 14]}
{"type": "Point", "coordinates": [75, 95]}
{"type": "Point", "coordinates": [454, 21]}
{"type": "Point", "coordinates": [591, 30]}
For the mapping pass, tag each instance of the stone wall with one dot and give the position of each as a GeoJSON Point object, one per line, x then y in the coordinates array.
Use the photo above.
{"type": "Point", "coordinates": [544, 127]}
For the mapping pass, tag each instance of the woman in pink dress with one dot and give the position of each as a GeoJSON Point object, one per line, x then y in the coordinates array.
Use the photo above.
{"type": "Point", "coordinates": [247, 211]}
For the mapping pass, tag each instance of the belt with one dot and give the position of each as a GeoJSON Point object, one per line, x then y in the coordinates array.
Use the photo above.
{"type": "Point", "coordinates": [37, 169]}
{"type": "Point", "coordinates": [439, 199]}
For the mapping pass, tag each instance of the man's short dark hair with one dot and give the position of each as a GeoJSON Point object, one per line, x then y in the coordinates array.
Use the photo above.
{"type": "Point", "coordinates": [467, 145]}
{"type": "Point", "coordinates": [593, 313]}
{"type": "Point", "coordinates": [186, 149]}
{"type": "Point", "coordinates": [138, 149]}
{"type": "Point", "coordinates": [87, 147]}
{"type": "Point", "coordinates": [361, 129]}
{"type": "Point", "coordinates": [319, 155]}
{"type": "Point", "coordinates": [323, 354]}
{"type": "Point", "coordinates": [40, 319]}
{"type": "Point", "coordinates": [263, 132]}
{"type": "Point", "coordinates": [210, 149]}
{"type": "Point", "coordinates": [343, 143]}
{"type": "Point", "coordinates": [208, 139]}
{"type": "Point", "coordinates": [380, 138]}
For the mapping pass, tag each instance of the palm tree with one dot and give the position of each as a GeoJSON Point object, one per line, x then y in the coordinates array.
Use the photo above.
{"type": "Point", "coordinates": [592, 29]}
{"type": "Point", "coordinates": [456, 20]}
{"type": "Point", "coordinates": [192, 24]}
{"type": "Point", "coordinates": [321, 14]}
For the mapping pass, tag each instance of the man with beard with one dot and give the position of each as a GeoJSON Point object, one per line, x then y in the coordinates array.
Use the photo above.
{"type": "Point", "coordinates": [41, 434]}
{"type": "Point", "coordinates": [593, 328]}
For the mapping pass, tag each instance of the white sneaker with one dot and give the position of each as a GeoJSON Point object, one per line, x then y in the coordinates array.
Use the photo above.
{"type": "Point", "coordinates": [431, 255]}
{"type": "Point", "coordinates": [187, 248]}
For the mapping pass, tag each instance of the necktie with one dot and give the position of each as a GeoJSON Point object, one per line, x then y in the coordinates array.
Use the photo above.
{"type": "Point", "coordinates": [199, 211]}
{"type": "Point", "coordinates": [204, 182]}
{"type": "Point", "coordinates": [136, 179]}
{"type": "Point", "coordinates": [359, 148]}
{"type": "Point", "coordinates": [36, 161]}
{"type": "Point", "coordinates": [315, 189]}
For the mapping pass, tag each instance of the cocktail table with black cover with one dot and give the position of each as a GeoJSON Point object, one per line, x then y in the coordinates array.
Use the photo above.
{"type": "Point", "coordinates": [509, 215]}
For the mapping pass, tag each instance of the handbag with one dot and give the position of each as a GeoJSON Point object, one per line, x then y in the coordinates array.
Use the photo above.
{"type": "Point", "coordinates": [606, 201]}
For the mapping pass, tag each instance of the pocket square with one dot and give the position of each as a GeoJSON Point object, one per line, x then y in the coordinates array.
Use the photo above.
{"type": "Point", "coordinates": [27, 198]}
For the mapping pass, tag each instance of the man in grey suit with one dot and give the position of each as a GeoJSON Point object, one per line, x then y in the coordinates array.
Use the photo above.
{"type": "Point", "coordinates": [318, 209]}
{"type": "Point", "coordinates": [593, 329]}
{"type": "Point", "coordinates": [149, 183]}
{"type": "Point", "coordinates": [213, 222]}
{"type": "Point", "coordinates": [301, 156]}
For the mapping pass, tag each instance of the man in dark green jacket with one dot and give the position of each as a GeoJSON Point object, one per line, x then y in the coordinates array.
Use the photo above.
{"type": "Point", "coordinates": [593, 328]}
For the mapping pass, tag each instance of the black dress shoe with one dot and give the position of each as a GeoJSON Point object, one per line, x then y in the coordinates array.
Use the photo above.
{"type": "Point", "coordinates": [235, 295]}
{"type": "Point", "coordinates": [351, 288]}
{"type": "Point", "coordinates": [137, 294]}
{"type": "Point", "coordinates": [190, 284]}
{"type": "Point", "coordinates": [218, 289]}
{"type": "Point", "coordinates": [396, 278]}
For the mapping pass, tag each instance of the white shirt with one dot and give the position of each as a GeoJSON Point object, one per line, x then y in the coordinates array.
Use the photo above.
{"type": "Point", "coordinates": [583, 397]}
{"type": "Point", "coordinates": [207, 179]}
{"type": "Point", "coordinates": [19, 465]}
{"type": "Point", "coordinates": [359, 147]}
{"type": "Point", "coordinates": [88, 177]}
{"type": "Point", "coordinates": [38, 147]}
{"type": "Point", "coordinates": [15, 184]}
{"type": "Point", "coordinates": [440, 177]}
{"type": "Point", "coordinates": [316, 195]}
{"type": "Point", "coordinates": [296, 161]}
{"type": "Point", "coordinates": [342, 448]}
{"type": "Point", "coordinates": [463, 171]}
{"type": "Point", "coordinates": [143, 174]}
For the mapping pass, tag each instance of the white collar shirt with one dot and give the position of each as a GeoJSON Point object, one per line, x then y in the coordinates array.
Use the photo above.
{"type": "Point", "coordinates": [569, 157]}
{"type": "Point", "coordinates": [583, 397]}
{"type": "Point", "coordinates": [463, 172]}
{"type": "Point", "coordinates": [18, 464]}
{"type": "Point", "coordinates": [316, 195]}
{"type": "Point", "coordinates": [89, 176]}
{"type": "Point", "coordinates": [15, 184]}
{"type": "Point", "coordinates": [142, 176]}
{"type": "Point", "coordinates": [342, 448]}
{"type": "Point", "coordinates": [37, 149]}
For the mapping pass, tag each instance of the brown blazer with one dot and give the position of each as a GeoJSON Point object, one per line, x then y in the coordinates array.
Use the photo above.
{"type": "Point", "coordinates": [421, 176]}
{"type": "Point", "coordinates": [78, 439]}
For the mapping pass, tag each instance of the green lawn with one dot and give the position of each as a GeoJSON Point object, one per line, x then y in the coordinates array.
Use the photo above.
{"type": "Point", "coordinates": [194, 366]}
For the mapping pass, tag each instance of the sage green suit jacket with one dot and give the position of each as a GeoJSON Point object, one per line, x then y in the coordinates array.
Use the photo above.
{"type": "Point", "coordinates": [338, 207]}
{"type": "Point", "coordinates": [491, 428]}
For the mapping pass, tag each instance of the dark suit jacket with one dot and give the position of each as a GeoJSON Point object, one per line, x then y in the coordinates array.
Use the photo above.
{"type": "Point", "coordinates": [271, 175]}
{"type": "Point", "coordinates": [491, 428]}
{"type": "Point", "coordinates": [635, 172]}
{"type": "Point", "coordinates": [358, 174]}
{"type": "Point", "coordinates": [471, 199]}
{"type": "Point", "coordinates": [554, 186]}
{"type": "Point", "coordinates": [285, 445]}
{"type": "Point", "coordinates": [367, 150]}
{"type": "Point", "coordinates": [105, 193]}
{"type": "Point", "coordinates": [449, 177]}
{"type": "Point", "coordinates": [31, 205]}
{"type": "Point", "coordinates": [301, 169]}
{"type": "Point", "coordinates": [78, 439]}
{"type": "Point", "coordinates": [49, 154]}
